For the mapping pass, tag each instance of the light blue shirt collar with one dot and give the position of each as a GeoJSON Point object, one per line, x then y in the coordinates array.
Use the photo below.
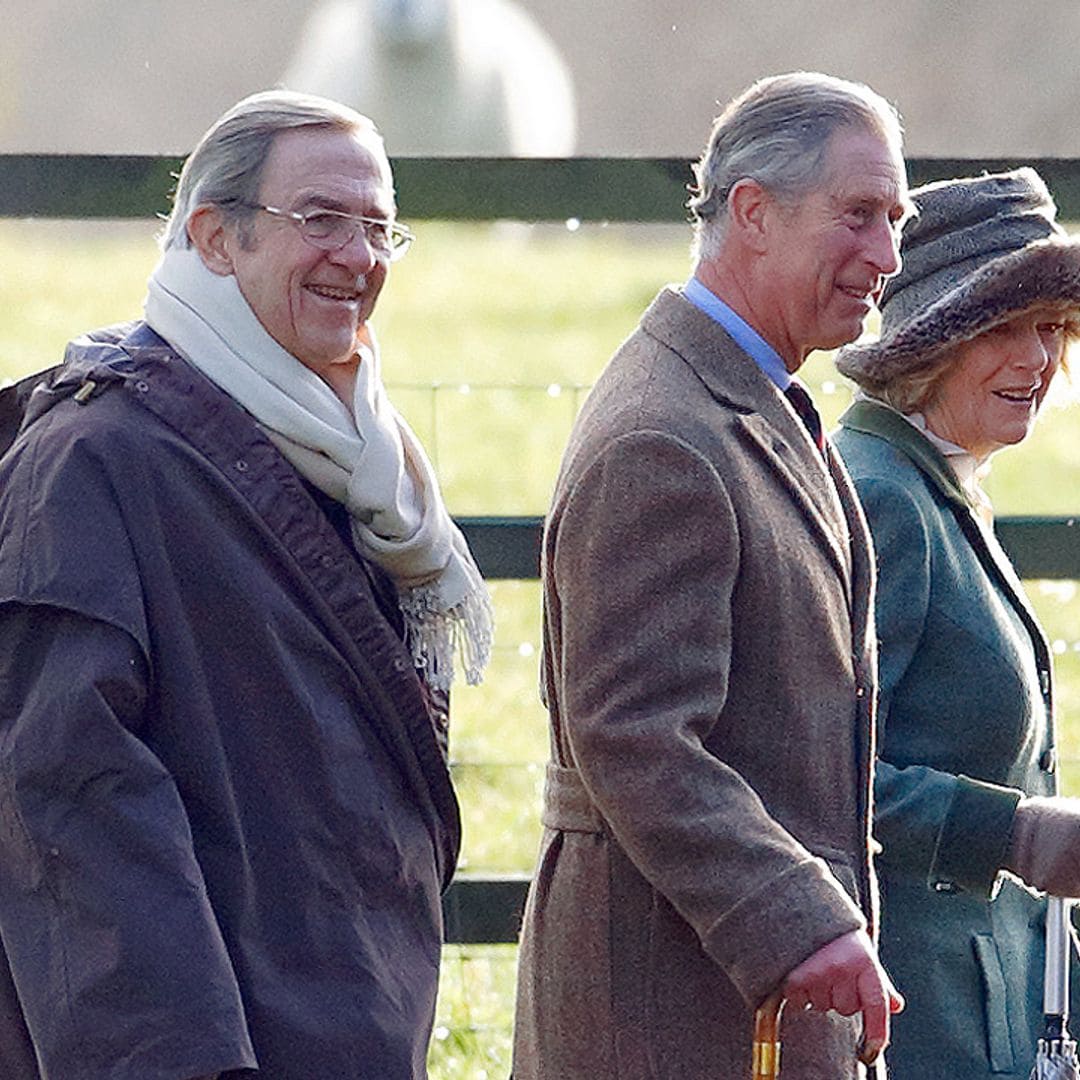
{"type": "Point", "coordinates": [740, 331]}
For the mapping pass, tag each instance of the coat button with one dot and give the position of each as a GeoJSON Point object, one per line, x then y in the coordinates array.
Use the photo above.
{"type": "Point", "coordinates": [944, 887]}
{"type": "Point", "coordinates": [1048, 760]}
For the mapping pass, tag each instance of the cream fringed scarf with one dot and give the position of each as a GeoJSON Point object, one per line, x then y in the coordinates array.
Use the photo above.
{"type": "Point", "coordinates": [366, 459]}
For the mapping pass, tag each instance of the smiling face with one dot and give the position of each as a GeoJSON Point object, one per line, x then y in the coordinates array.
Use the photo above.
{"type": "Point", "coordinates": [991, 392]}
{"type": "Point", "coordinates": [830, 252]}
{"type": "Point", "coordinates": [314, 303]}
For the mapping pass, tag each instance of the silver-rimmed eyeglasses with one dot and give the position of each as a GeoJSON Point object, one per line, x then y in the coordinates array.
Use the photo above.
{"type": "Point", "coordinates": [331, 230]}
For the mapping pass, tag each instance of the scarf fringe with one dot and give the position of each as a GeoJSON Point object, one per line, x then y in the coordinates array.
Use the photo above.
{"type": "Point", "coordinates": [435, 634]}
{"type": "Point", "coordinates": [366, 457]}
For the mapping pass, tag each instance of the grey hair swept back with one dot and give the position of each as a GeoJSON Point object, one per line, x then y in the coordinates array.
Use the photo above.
{"type": "Point", "coordinates": [777, 132]}
{"type": "Point", "coordinates": [225, 168]}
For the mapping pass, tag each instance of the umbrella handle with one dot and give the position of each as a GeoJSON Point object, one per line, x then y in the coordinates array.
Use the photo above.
{"type": "Point", "coordinates": [766, 1045]}
{"type": "Point", "coordinates": [1056, 972]}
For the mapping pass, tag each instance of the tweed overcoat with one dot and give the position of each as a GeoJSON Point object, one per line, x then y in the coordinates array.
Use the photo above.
{"type": "Point", "coordinates": [965, 726]}
{"type": "Point", "coordinates": [710, 679]}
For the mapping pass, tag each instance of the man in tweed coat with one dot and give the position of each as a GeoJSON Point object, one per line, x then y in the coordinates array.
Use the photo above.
{"type": "Point", "coordinates": [708, 648]}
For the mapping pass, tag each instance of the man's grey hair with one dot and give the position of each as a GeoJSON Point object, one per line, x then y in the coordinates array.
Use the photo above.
{"type": "Point", "coordinates": [225, 169]}
{"type": "Point", "coordinates": [777, 132]}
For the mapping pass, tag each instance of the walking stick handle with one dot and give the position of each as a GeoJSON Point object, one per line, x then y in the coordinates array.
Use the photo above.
{"type": "Point", "coordinates": [766, 1045]}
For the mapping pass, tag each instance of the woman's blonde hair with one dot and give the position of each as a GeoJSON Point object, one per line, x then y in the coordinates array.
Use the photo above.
{"type": "Point", "coordinates": [913, 391]}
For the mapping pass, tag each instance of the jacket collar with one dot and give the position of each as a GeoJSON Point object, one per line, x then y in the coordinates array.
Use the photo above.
{"type": "Point", "coordinates": [880, 420]}
{"type": "Point", "coordinates": [729, 374]}
{"type": "Point", "coordinates": [876, 418]}
{"type": "Point", "coordinates": [763, 415]}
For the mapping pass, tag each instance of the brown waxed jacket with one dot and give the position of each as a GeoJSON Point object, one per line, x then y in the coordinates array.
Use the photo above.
{"type": "Point", "coordinates": [709, 670]}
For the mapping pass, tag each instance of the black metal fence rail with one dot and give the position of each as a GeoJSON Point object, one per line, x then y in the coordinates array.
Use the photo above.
{"type": "Point", "coordinates": [451, 189]}
{"type": "Point", "coordinates": [487, 909]}
{"type": "Point", "coordinates": [1040, 547]}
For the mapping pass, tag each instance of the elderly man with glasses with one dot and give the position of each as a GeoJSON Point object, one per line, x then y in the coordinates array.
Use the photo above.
{"type": "Point", "coordinates": [231, 603]}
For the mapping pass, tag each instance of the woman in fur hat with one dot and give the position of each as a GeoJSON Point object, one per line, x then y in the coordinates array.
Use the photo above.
{"type": "Point", "coordinates": [974, 329]}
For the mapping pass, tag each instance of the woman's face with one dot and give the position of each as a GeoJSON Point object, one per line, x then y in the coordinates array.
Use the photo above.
{"type": "Point", "coordinates": [991, 392]}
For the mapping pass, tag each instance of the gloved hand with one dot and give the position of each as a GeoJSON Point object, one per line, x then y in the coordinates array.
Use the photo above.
{"type": "Point", "coordinates": [1044, 848]}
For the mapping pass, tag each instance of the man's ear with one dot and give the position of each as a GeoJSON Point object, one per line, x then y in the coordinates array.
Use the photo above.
{"type": "Point", "coordinates": [749, 205]}
{"type": "Point", "coordinates": [212, 239]}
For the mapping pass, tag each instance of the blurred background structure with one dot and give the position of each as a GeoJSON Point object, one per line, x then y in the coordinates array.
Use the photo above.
{"type": "Point", "coordinates": [491, 336]}
{"type": "Point", "coordinates": [986, 79]}
{"type": "Point", "coordinates": [456, 77]}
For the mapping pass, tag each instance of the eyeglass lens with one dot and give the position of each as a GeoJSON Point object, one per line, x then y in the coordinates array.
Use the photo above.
{"type": "Point", "coordinates": [336, 230]}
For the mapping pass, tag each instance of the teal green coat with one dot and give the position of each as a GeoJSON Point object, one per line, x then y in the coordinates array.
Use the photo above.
{"type": "Point", "coordinates": [965, 726]}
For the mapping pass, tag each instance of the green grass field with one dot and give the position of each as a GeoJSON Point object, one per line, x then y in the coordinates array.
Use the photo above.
{"type": "Point", "coordinates": [490, 335]}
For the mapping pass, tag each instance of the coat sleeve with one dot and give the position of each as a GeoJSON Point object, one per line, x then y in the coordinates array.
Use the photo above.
{"type": "Point", "coordinates": [949, 829]}
{"type": "Point", "coordinates": [644, 565]}
{"type": "Point", "coordinates": [113, 947]}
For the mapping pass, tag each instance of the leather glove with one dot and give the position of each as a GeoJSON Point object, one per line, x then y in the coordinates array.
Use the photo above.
{"type": "Point", "coordinates": [1044, 847]}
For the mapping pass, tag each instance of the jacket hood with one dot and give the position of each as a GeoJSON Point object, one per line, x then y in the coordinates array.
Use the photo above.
{"type": "Point", "coordinates": [91, 362]}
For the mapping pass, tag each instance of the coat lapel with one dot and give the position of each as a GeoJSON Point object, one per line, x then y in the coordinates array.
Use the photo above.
{"type": "Point", "coordinates": [807, 482]}
{"type": "Point", "coordinates": [998, 564]}
{"type": "Point", "coordinates": [861, 549]}
{"type": "Point", "coordinates": [770, 427]}
{"type": "Point", "coordinates": [874, 418]}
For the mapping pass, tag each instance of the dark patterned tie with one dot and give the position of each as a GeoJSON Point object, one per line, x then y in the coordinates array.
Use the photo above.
{"type": "Point", "coordinates": [808, 414]}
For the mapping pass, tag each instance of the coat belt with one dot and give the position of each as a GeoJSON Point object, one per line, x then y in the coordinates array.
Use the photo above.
{"type": "Point", "coordinates": [567, 806]}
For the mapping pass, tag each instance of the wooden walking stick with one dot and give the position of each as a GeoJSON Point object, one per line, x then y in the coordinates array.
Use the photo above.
{"type": "Point", "coordinates": [766, 1046]}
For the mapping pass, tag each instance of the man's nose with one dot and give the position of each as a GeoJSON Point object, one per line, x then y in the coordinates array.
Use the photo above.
{"type": "Point", "coordinates": [883, 248]}
{"type": "Point", "coordinates": [358, 254]}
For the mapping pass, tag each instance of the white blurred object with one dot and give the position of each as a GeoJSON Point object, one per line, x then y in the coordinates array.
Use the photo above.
{"type": "Point", "coordinates": [441, 77]}
{"type": "Point", "coordinates": [1056, 1058]}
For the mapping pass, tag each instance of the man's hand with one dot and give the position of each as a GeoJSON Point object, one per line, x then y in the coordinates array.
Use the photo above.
{"type": "Point", "coordinates": [846, 976]}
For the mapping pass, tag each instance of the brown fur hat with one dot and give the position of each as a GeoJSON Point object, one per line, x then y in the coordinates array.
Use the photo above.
{"type": "Point", "coordinates": [979, 252]}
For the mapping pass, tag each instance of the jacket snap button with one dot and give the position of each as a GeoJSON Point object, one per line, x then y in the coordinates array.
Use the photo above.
{"type": "Point", "coordinates": [142, 386]}
{"type": "Point", "coordinates": [944, 887]}
{"type": "Point", "coordinates": [241, 466]}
